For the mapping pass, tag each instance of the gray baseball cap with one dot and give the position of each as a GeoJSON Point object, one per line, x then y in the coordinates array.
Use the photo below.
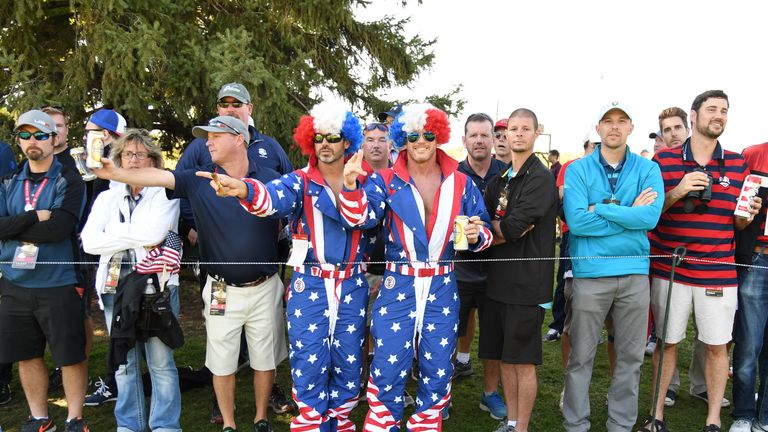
{"type": "Point", "coordinates": [235, 90]}
{"type": "Point", "coordinates": [225, 124]}
{"type": "Point", "coordinates": [37, 119]}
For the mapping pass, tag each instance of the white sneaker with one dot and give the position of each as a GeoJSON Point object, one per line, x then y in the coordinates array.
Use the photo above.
{"type": "Point", "coordinates": [562, 397]}
{"type": "Point", "coordinates": [741, 426]}
{"type": "Point", "coordinates": [757, 427]}
{"type": "Point", "coordinates": [650, 347]}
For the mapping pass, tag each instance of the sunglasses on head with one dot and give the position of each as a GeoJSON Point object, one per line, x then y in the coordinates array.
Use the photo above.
{"type": "Point", "coordinates": [414, 136]}
{"type": "Point", "coordinates": [228, 104]}
{"type": "Point", "coordinates": [223, 125]}
{"type": "Point", "coordinates": [332, 138]}
{"type": "Point", "coordinates": [40, 136]}
{"type": "Point", "coordinates": [380, 126]}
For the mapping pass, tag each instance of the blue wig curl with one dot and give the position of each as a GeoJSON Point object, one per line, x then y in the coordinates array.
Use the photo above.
{"type": "Point", "coordinates": [396, 132]}
{"type": "Point", "coordinates": [353, 132]}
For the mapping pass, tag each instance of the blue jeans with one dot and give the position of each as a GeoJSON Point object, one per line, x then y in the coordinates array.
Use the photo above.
{"type": "Point", "coordinates": [749, 339]}
{"type": "Point", "coordinates": [165, 404]}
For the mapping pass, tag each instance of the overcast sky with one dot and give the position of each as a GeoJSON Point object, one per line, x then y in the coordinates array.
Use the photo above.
{"type": "Point", "coordinates": [565, 59]}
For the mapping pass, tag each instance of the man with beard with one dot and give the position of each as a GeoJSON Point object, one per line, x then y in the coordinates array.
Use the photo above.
{"type": "Point", "coordinates": [328, 292]}
{"type": "Point", "coordinates": [702, 182]}
{"type": "Point", "coordinates": [471, 276]}
{"type": "Point", "coordinates": [524, 204]}
{"type": "Point", "coordinates": [40, 208]}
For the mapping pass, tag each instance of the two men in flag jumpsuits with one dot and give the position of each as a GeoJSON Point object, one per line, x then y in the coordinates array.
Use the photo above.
{"type": "Point", "coordinates": [328, 294]}
{"type": "Point", "coordinates": [418, 306]}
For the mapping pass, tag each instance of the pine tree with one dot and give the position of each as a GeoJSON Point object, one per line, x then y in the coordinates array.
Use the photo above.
{"type": "Point", "coordinates": [161, 62]}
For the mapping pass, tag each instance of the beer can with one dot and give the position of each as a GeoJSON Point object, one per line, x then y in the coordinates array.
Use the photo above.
{"type": "Point", "coordinates": [748, 191]}
{"type": "Point", "coordinates": [460, 242]}
{"type": "Point", "coordinates": [78, 154]}
{"type": "Point", "coordinates": [94, 146]}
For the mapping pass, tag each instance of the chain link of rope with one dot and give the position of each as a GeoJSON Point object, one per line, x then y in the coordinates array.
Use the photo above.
{"type": "Point", "coordinates": [442, 262]}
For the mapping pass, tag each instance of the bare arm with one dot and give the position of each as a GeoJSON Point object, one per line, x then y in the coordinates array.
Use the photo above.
{"type": "Point", "coordinates": [136, 177]}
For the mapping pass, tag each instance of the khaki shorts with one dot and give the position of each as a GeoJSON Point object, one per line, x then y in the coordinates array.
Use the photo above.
{"type": "Point", "coordinates": [714, 315]}
{"type": "Point", "coordinates": [258, 310]}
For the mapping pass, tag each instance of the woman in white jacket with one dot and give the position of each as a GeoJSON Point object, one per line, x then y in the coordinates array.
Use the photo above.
{"type": "Point", "coordinates": [125, 222]}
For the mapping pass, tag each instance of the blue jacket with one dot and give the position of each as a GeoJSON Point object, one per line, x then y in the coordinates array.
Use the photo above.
{"type": "Point", "coordinates": [610, 229]}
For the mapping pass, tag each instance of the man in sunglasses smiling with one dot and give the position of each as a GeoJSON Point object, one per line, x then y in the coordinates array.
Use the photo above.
{"type": "Point", "coordinates": [418, 306]}
{"type": "Point", "coordinates": [40, 208]}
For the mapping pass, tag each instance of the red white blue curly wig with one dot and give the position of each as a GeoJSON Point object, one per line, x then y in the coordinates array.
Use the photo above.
{"type": "Point", "coordinates": [420, 117]}
{"type": "Point", "coordinates": [325, 118]}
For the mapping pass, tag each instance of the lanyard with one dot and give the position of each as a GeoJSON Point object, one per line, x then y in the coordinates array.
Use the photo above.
{"type": "Point", "coordinates": [30, 205]}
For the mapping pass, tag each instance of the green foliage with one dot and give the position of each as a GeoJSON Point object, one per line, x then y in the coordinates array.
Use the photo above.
{"type": "Point", "coordinates": [160, 62]}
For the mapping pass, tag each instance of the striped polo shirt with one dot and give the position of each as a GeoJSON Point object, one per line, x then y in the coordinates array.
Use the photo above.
{"type": "Point", "coordinates": [757, 159]}
{"type": "Point", "coordinates": [709, 235]}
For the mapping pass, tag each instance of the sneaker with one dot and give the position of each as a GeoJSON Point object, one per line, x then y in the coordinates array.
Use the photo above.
{"type": "Point", "coordinates": [54, 380]}
{"type": "Point", "coordinates": [262, 426]}
{"type": "Point", "coordinates": [104, 393]}
{"type": "Point", "coordinates": [494, 405]}
{"type": "Point", "coordinates": [504, 427]}
{"type": "Point", "coordinates": [562, 400]}
{"type": "Point", "coordinates": [759, 427]}
{"type": "Point", "coordinates": [461, 369]}
{"type": "Point", "coordinates": [703, 396]}
{"type": "Point", "coordinates": [652, 425]}
{"type": "Point", "coordinates": [279, 403]}
{"type": "Point", "coordinates": [741, 426]}
{"type": "Point", "coordinates": [552, 335]}
{"type": "Point", "coordinates": [229, 429]}
{"type": "Point", "coordinates": [5, 394]}
{"type": "Point", "coordinates": [407, 399]}
{"type": "Point", "coordinates": [76, 425]}
{"type": "Point", "coordinates": [41, 425]}
{"type": "Point", "coordinates": [650, 347]}
{"type": "Point", "coordinates": [711, 428]}
{"type": "Point", "coordinates": [446, 414]}
{"type": "Point", "coordinates": [216, 417]}
{"type": "Point", "coordinates": [670, 398]}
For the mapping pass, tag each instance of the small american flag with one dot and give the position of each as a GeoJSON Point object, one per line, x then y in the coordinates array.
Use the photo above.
{"type": "Point", "coordinates": [169, 254]}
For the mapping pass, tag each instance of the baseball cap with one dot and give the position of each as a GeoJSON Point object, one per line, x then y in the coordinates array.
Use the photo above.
{"type": "Point", "coordinates": [109, 120]}
{"type": "Point", "coordinates": [393, 112]}
{"type": "Point", "coordinates": [653, 135]}
{"type": "Point", "coordinates": [225, 124]}
{"type": "Point", "coordinates": [235, 90]}
{"type": "Point", "coordinates": [501, 124]}
{"type": "Point", "coordinates": [612, 106]}
{"type": "Point", "coordinates": [38, 119]}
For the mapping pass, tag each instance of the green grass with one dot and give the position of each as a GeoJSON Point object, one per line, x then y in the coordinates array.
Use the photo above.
{"type": "Point", "coordinates": [687, 415]}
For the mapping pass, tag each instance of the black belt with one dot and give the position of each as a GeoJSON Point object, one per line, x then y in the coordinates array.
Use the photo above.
{"type": "Point", "coordinates": [253, 283]}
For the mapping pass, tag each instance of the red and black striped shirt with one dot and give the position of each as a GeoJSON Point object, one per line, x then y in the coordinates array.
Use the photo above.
{"type": "Point", "coordinates": [709, 235]}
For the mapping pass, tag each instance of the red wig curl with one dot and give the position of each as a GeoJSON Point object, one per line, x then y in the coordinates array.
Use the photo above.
{"type": "Point", "coordinates": [437, 123]}
{"type": "Point", "coordinates": [304, 135]}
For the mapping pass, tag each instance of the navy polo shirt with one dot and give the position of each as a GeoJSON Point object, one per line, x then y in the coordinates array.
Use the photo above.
{"type": "Point", "coordinates": [475, 272]}
{"type": "Point", "coordinates": [227, 232]}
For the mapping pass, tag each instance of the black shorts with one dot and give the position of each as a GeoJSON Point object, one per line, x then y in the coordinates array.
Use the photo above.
{"type": "Point", "coordinates": [471, 296]}
{"type": "Point", "coordinates": [511, 333]}
{"type": "Point", "coordinates": [32, 317]}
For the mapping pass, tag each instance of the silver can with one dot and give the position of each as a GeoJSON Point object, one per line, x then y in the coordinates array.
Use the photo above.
{"type": "Point", "coordinates": [460, 242]}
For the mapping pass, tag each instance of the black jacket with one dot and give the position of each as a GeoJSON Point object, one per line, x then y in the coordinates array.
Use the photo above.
{"type": "Point", "coordinates": [531, 200]}
{"type": "Point", "coordinates": [127, 310]}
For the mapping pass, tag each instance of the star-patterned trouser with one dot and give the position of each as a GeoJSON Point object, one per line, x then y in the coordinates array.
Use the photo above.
{"type": "Point", "coordinates": [423, 306]}
{"type": "Point", "coordinates": [326, 349]}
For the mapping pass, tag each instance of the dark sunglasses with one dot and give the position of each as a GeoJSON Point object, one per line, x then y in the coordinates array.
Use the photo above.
{"type": "Point", "coordinates": [380, 126]}
{"type": "Point", "coordinates": [414, 136]}
{"type": "Point", "coordinates": [332, 138]}
{"type": "Point", "coordinates": [228, 104]}
{"type": "Point", "coordinates": [40, 136]}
